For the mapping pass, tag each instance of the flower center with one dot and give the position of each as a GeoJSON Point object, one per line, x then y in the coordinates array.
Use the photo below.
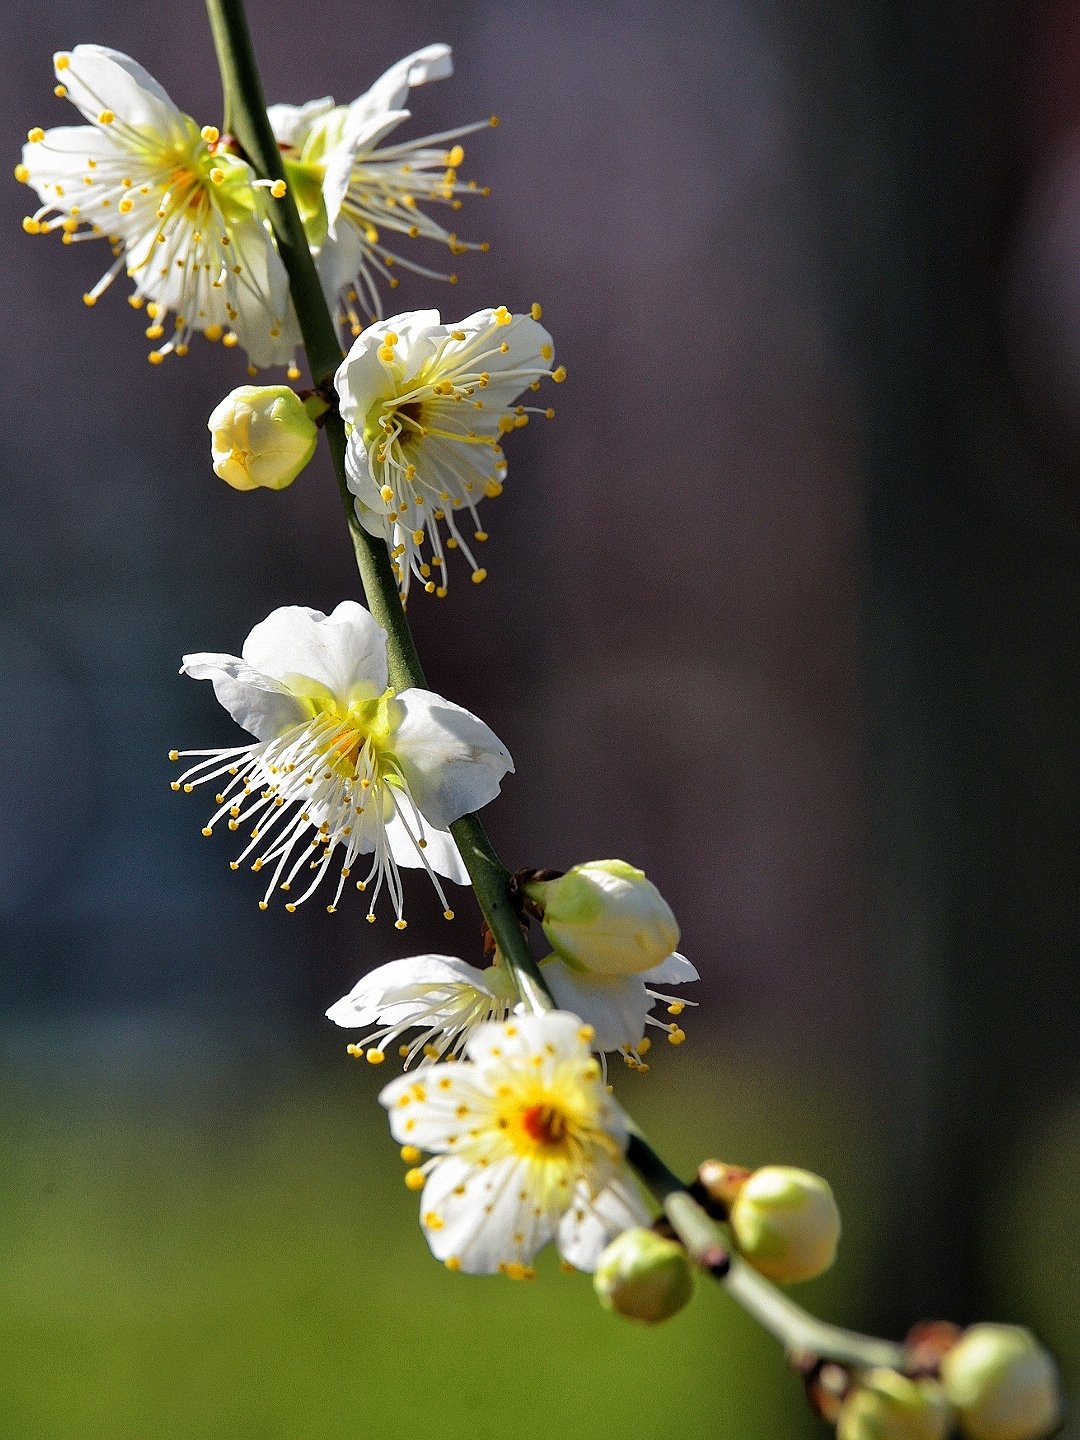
{"type": "Point", "coordinates": [545, 1125]}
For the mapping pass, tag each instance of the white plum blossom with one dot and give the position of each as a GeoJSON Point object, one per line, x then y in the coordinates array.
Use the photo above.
{"type": "Point", "coordinates": [442, 997]}
{"type": "Point", "coordinates": [618, 1006]}
{"type": "Point", "coordinates": [427, 405]}
{"type": "Point", "coordinates": [526, 1146]}
{"type": "Point", "coordinates": [185, 217]}
{"type": "Point", "coordinates": [445, 1000]}
{"type": "Point", "coordinates": [342, 765]}
{"type": "Point", "coordinates": [353, 190]}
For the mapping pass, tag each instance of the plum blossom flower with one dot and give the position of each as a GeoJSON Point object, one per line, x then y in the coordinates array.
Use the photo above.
{"type": "Point", "coordinates": [526, 1146]}
{"type": "Point", "coordinates": [184, 216]}
{"type": "Point", "coordinates": [342, 764]}
{"type": "Point", "coordinates": [353, 190]}
{"type": "Point", "coordinates": [427, 406]}
{"type": "Point", "coordinates": [445, 1000]}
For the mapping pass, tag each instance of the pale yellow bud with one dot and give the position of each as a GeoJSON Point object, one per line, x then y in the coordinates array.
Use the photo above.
{"type": "Point", "coordinates": [1002, 1383]}
{"type": "Point", "coordinates": [643, 1276]}
{"type": "Point", "coordinates": [261, 435]}
{"type": "Point", "coordinates": [785, 1223]}
{"type": "Point", "coordinates": [885, 1405]}
{"type": "Point", "coordinates": [605, 917]}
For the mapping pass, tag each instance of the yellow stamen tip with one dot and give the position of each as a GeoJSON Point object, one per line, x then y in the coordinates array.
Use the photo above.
{"type": "Point", "coordinates": [414, 1179]}
{"type": "Point", "coordinates": [22, 174]}
{"type": "Point", "coordinates": [106, 117]}
{"type": "Point", "coordinates": [400, 924]}
{"type": "Point", "coordinates": [210, 133]}
{"type": "Point", "coordinates": [89, 299]}
{"type": "Point", "coordinates": [278, 189]}
{"type": "Point", "coordinates": [36, 135]}
{"type": "Point", "coordinates": [410, 1154]}
{"type": "Point", "coordinates": [217, 175]}
{"type": "Point", "coordinates": [559, 374]}
{"type": "Point", "coordinates": [536, 310]}
{"type": "Point", "coordinates": [479, 576]}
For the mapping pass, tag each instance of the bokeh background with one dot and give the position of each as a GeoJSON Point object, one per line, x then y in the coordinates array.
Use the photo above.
{"type": "Point", "coordinates": [784, 607]}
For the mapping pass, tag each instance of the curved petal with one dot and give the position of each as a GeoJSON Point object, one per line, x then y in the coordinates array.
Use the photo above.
{"type": "Point", "coordinates": [99, 79]}
{"type": "Point", "coordinates": [477, 1216]}
{"type": "Point", "coordinates": [425, 1109]}
{"type": "Point", "coordinates": [439, 853]}
{"type": "Point", "coordinates": [345, 651]}
{"type": "Point", "coordinates": [453, 763]}
{"type": "Point", "coordinates": [291, 123]}
{"type": "Point", "coordinates": [615, 1006]}
{"type": "Point", "coordinates": [591, 1222]}
{"type": "Point", "coordinates": [360, 133]}
{"type": "Point", "coordinates": [361, 378]}
{"type": "Point", "coordinates": [675, 970]}
{"type": "Point", "coordinates": [389, 92]}
{"type": "Point", "coordinates": [392, 992]}
{"type": "Point", "coordinates": [258, 702]}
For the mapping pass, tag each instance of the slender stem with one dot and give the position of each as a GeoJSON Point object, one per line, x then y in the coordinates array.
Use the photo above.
{"type": "Point", "coordinates": [245, 105]}
{"type": "Point", "coordinates": [706, 1241]}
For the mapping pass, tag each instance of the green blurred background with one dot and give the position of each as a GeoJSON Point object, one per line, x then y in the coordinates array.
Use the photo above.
{"type": "Point", "coordinates": [784, 607]}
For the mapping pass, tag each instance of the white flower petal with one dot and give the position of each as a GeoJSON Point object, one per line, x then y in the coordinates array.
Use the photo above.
{"type": "Point", "coordinates": [615, 1006]}
{"type": "Point", "coordinates": [291, 123]}
{"type": "Point", "coordinates": [393, 991]}
{"type": "Point", "coordinates": [389, 92]}
{"type": "Point", "coordinates": [344, 651]}
{"type": "Point", "coordinates": [592, 1222]}
{"type": "Point", "coordinates": [453, 762]}
{"type": "Point", "coordinates": [425, 1109]}
{"type": "Point", "coordinates": [99, 79]}
{"type": "Point", "coordinates": [675, 970]}
{"type": "Point", "coordinates": [439, 853]}
{"type": "Point", "coordinates": [262, 705]}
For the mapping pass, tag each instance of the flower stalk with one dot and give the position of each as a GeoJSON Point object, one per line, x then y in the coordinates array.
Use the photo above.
{"type": "Point", "coordinates": [706, 1241]}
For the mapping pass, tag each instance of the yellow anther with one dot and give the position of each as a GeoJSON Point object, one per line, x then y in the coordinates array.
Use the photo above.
{"type": "Point", "coordinates": [452, 1263]}
{"type": "Point", "coordinates": [400, 924]}
{"type": "Point", "coordinates": [126, 205]}
{"type": "Point", "coordinates": [89, 299]}
{"type": "Point", "coordinates": [152, 332]}
{"type": "Point", "coordinates": [213, 333]}
{"type": "Point", "coordinates": [60, 91]}
{"type": "Point", "coordinates": [36, 135]}
{"type": "Point", "coordinates": [586, 1034]}
{"type": "Point", "coordinates": [31, 226]}
{"type": "Point", "coordinates": [536, 310]}
{"type": "Point", "coordinates": [106, 117]}
{"type": "Point", "coordinates": [417, 537]}
{"type": "Point", "coordinates": [644, 1045]}
{"type": "Point", "coordinates": [547, 353]}
{"type": "Point", "coordinates": [455, 156]}
{"type": "Point", "coordinates": [452, 279]}
{"type": "Point", "coordinates": [414, 1179]}
{"type": "Point", "coordinates": [559, 374]}
{"type": "Point", "coordinates": [493, 489]}
{"type": "Point", "coordinates": [291, 908]}
{"type": "Point", "coordinates": [441, 592]}
{"type": "Point", "coordinates": [676, 1007]}
{"type": "Point", "coordinates": [458, 335]}
{"type": "Point", "coordinates": [62, 62]}
{"type": "Point", "coordinates": [229, 339]}
{"type": "Point", "coordinates": [493, 121]}
{"type": "Point", "coordinates": [549, 413]}
{"type": "Point", "coordinates": [217, 175]}
{"type": "Point", "coordinates": [386, 354]}
{"type": "Point", "coordinates": [278, 189]}
{"type": "Point", "coordinates": [356, 1051]}
{"type": "Point", "coordinates": [502, 316]}
{"type": "Point", "coordinates": [386, 494]}
{"type": "Point", "coordinates": [479, 576]}
{"type": "Point", "coordinates": [22, 174]}
{"type": "Point", "coordinates": [676, 1036]}
{"type": "Point", "coordinates": [211, 134]}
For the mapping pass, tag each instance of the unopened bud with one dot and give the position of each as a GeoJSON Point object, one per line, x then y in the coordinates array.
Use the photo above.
{"type": "Point", "coordinates": [722, 1182]}
{"type": "Point", "coordinates": [1002, 1383]}
{"type": "Point", "coordinates": [643, 1276]}
{"type": "Point", "coordinates": [261, 435]}
{"type": "Point", "coordinates": [785, 1223]}
{"type": "Point", "coordinates": [605, 917]}
{"type": "Point", "coordinates": [885, 1405]}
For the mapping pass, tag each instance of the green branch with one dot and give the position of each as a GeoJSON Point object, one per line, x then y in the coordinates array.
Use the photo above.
{"type": "Point", "coordinates": [706, 1241]}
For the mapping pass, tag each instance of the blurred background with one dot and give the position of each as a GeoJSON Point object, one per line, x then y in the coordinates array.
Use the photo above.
{"type": "Point", "coordinates": [783, 607]}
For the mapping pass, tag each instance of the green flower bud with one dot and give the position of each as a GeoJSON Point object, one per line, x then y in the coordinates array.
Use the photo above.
{"type": "Point", "coordinates": [785, 1222]}
{"type": "Point", "coordinates": [885, 1405]}
{"type": "Point", "coordinates": [261, 435]}
{"type": "Point", "coordinates": [644, 1277]}
{"type": "Point", "coordinates": [1002, 1383]}
{"type": "Point", "coordinates": [605, 917]}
